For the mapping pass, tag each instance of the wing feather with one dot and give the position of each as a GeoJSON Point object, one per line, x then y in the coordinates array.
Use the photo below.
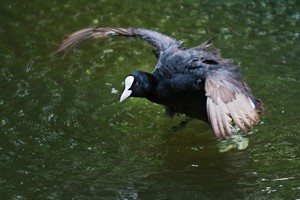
{"type": "Point", "coordinates": [158, 40]}
{"type": "Point", "coordinates": [229, 102]}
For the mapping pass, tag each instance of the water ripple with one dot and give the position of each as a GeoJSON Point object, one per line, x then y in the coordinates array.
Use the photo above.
{"type": "Point", "coordinates": [23, 88]}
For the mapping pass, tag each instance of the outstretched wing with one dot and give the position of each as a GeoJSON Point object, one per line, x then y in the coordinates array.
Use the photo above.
{"type": "Point", "coordinates": [229, 102]}
{"type": "Point", "coordinates": [158, 40]}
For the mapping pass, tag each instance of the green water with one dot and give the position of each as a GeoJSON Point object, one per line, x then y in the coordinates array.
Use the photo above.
{"type": "Point", "coordinates": [64, 135]}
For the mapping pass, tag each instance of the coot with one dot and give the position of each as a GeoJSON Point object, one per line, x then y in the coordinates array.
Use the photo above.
{"type": "Point", "coordinates": [196, 82]}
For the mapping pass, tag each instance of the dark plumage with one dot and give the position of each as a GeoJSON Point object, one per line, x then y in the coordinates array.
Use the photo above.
{"type": "Point", "coordinates": [197, 82]}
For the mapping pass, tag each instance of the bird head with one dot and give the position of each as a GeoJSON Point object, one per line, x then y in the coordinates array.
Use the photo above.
{"type": "Point", "coordinates": [138, 84]}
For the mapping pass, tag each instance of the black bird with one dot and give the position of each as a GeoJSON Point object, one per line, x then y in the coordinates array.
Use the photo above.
{"type": "Point", "coordinates": [196, 82]}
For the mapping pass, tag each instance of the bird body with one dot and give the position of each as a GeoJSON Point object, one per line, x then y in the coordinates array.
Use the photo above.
{"type": "Point", "coordinates": [196, 82]}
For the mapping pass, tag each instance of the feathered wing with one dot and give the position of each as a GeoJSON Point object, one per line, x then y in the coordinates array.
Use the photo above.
{"type": "Point", "coordinates": [204, 45]}
{"type": "Point", "coordinates": [229, 101]}
{"type": "Point", "coordinates": [158, 40]}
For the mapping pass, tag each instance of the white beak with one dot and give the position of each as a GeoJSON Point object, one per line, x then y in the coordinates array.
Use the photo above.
{"type": "Point", "coordinates": [127, 92]}
{"type": "Point", "coordinates": [125, 95]}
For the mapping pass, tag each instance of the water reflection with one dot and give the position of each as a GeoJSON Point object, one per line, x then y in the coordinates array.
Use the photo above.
{"type": "Point", "coordinates": [188, 171]}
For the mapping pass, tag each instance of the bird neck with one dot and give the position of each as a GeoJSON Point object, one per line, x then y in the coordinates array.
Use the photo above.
{"type": "Point", "coordinates": [151, 94]}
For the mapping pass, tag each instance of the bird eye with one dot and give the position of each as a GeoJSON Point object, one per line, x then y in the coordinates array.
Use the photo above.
{"type": "Point", "coordinates": [136, 84]}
